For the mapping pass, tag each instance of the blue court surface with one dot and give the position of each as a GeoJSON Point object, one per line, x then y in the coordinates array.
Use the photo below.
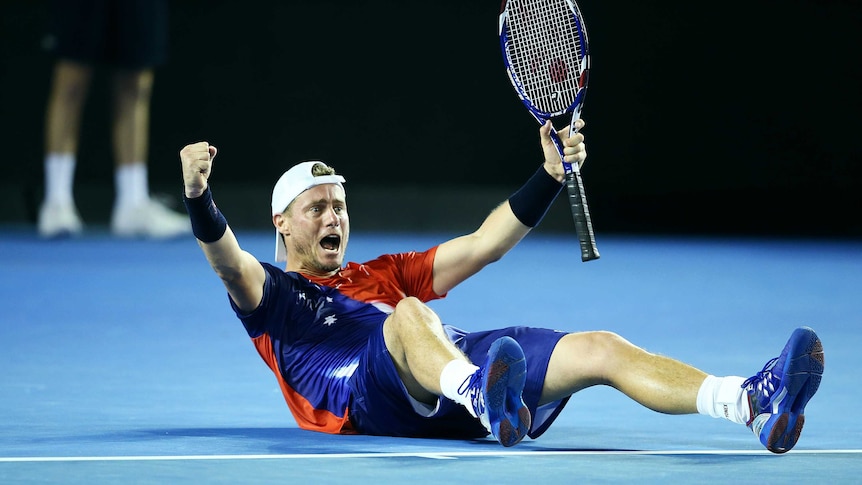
{"type": "Point", "coordinates": [123, 363]}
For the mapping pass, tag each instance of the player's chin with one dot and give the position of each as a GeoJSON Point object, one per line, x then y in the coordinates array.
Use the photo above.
{"type": "Point", "coordinates": [331, 261]}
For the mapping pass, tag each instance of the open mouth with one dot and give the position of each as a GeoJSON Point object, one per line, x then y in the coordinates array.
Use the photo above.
{"type": "Point", "coordinates": [331, 242]}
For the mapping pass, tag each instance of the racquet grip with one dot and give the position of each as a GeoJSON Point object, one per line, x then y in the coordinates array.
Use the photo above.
{"type": "Point", "coordinates": [581, 214]}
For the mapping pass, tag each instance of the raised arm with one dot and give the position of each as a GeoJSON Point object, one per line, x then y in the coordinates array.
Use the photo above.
{"type": "Point", "coordinates": [464, 256]}
{"type": "Point", "coordinates": [241, 273]}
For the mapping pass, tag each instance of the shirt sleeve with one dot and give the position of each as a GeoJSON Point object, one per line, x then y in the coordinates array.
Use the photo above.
{"type": "Point", "coordinates": [255, 322]}
{"type": "Point", "coordinates": [415, 273]}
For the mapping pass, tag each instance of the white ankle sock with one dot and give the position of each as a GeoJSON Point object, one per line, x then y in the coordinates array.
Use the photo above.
{"type": "Point", "coordinates": [59, 177]}
{"type": "Point", "coordinates": [723, 397]}
{"type": "Point", "coordinates": [130, 182]}
{"type": "Point", "coordinates": [453, 377]}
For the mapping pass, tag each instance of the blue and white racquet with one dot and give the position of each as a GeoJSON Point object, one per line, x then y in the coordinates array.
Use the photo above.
{"type": "Point", "coordinates": [546, 52]}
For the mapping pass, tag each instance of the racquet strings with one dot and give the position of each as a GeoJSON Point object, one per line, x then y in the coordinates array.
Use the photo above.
{"type": "Point", "coordinates": [545, 52]}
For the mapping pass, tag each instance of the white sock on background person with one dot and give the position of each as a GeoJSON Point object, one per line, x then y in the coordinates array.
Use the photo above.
{"type": "Point", "coordinates": [59, 178]}
{"type": "Point", "coordinates": [130, 182]}
{"type": "Point", "coordinates": [723, 397]}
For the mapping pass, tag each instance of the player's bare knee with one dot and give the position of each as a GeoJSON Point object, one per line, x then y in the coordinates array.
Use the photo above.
{"type": "Point", "coordinates": [610, 343]}
{"type": "Point", "coordinates": [401, 327]}
{"type": "Point", "coordinates": [408, 303]}
{"type": "Point", "coordinates": [614, 354]}
{"type": "Point", "coordinates": [412, 308]}
{"type": "Point", "coordinates": [400, 315]}
{"type": "Point", "coordinates": [604, 348]}
{"type": "Point", "coordinates": [412, 315]}
{"type": "Point", "coordinates": [582, 360]}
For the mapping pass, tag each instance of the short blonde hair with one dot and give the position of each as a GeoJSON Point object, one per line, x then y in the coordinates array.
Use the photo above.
{"type": "Point", "coordinates": [319, 169]}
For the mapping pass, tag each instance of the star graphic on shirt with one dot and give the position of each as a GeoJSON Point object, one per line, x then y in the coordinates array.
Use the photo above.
{"type": "Point", "coordinates": [301, 295]}
{"type": "Point", "coordinates": [328, 321]}
{"type": "Point", "coordinates": [328, 299]}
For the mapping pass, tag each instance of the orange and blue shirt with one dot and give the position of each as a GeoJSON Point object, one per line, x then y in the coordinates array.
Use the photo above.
{"type": "Point", "coordinates": [312, 331]}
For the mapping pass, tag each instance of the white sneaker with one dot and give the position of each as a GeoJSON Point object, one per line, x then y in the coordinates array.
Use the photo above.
{"type": "Point", "coordinates": [58, 220]}
{"type": "Point", "coordinates": [150, 219]}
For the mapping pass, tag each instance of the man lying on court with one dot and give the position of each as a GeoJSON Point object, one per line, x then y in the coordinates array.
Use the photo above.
{"type": "Point", "coordinates": [356, 350]}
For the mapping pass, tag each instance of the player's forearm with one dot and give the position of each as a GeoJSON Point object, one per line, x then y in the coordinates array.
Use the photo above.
{"type": "Point", "coordinates": [507, 224]}
{"type": "Point", "coordinates": [213, 234]}
{"type": "Point", "coordinates": [514, 218]}
{"type": "Point", "coordinates": [240, 272]}
{"type": "Point", "coordinates": [499, 233]}
{"type": "Point", "coordinates": [224, 256]}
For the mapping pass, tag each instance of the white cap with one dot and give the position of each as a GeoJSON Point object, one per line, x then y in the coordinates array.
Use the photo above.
{"type": "Point", "coordinates": [292, 183]}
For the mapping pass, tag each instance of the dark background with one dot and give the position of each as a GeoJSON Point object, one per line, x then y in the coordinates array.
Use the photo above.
{"type": "Point", "coordinates": [737, 117]}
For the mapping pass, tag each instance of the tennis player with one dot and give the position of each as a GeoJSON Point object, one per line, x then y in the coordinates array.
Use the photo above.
{"type": "Point", "coordinates": [355, 349]}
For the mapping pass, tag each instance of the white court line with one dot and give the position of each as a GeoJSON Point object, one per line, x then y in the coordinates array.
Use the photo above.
{"type": "Point", "coordinates": [442, 455]}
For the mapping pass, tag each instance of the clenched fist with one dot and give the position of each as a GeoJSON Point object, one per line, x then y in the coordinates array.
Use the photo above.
{"type": "Point", "coordinates": [197, 160]}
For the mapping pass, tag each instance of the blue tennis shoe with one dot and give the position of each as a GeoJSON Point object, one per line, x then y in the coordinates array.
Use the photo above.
{"type": "Point", "coordinates": [496, 389]}
{"type": "Point", "coordinates": [777, 395]}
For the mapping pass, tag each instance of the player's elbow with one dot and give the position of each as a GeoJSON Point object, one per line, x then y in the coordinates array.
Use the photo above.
{"type": "Point", "coordinates": [230, 272]}
{"type": "Point", "coordinates": [493, 257]}
{"type": "Point", "coordinates": [493, 248]}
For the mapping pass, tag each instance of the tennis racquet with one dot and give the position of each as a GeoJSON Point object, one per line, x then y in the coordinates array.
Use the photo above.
{"type": "Point", "coordinates": [546, 52]}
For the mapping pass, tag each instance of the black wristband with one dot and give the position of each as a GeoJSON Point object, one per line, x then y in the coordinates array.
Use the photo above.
{"type": "Point", "coordinates": [532, 201]}
{"type": "Point", "coordinates": [208, 223]}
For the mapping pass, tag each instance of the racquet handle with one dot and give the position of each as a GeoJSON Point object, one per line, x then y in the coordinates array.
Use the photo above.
{"type": "Point", "coordinates": [581, 214]}
{"type": "Point", "coordinates": [578, 203]}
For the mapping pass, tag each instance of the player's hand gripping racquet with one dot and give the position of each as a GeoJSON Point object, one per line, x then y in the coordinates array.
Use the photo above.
{"type": "Point", "coordinates": [547, 58]}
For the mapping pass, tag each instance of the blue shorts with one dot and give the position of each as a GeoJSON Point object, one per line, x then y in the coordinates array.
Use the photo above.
{"type": "Point", "coordinates": [381, 406]}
